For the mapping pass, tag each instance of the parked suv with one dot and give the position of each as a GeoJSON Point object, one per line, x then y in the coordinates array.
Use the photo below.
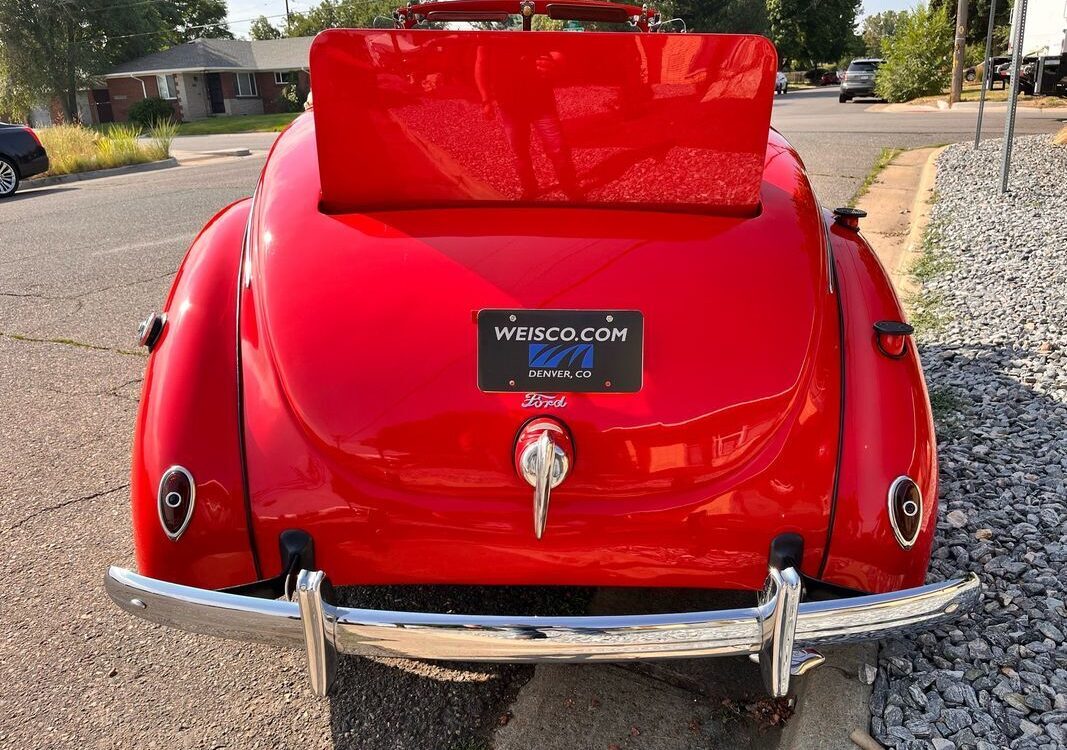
{"type": "Point", "coordinates": [859, 78]}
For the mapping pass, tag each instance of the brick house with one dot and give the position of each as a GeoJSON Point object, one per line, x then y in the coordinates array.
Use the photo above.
{"type": "Point", "coordinates": [208, 77]}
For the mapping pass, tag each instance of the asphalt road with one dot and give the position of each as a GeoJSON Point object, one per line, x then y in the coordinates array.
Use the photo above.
{"type": "Point", "coordinates": [839, 142]}
{"type": "Point", "coordinates": [79, 265]}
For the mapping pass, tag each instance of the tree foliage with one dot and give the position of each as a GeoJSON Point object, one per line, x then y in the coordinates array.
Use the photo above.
{"type": "Point", "coordinates": [918, 57]}
{"type": "Point", "coordinates": [978, 20]}
{"type": "Point", "coordinates": [876, 28]}
{"type": "Point", "coordinates": [331, 14]}
{"type": "Point", "coordinates": [261, 28]}
{"type": "Point", "coordinates": [53, 48]}
{"type": "Point", "coordinates": [812, 31]}
{"type": "Point", "coordinates": [727, 16]}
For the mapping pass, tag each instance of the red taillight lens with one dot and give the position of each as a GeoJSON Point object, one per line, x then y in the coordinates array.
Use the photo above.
{"type": "Point", "coordinates": [35, 136]}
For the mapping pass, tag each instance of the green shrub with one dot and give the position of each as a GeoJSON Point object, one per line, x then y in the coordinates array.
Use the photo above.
{"type": "Point", "coordinates": [149, 111]}
{"type": "Point", "coordinates": [918, 57]}
{"type": "Point", "coordinates": [290, 100]}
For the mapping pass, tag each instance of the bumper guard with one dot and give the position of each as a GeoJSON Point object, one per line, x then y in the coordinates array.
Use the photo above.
{"type": "Point", "coordinates": [770, 631]}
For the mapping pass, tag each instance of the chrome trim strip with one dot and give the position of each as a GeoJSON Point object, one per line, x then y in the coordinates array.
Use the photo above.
{"type": "Point", "coordinates": [318, 631]}
{"type": "Point", "coordinates": [420, 635]}
{"type": "Point", "coordinates": [192, 501]}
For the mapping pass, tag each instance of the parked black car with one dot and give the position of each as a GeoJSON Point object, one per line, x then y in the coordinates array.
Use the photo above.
{"type": "Point", "coordinates": [859, 79]}
{"type": "Point", "coordinates": [21, 156]}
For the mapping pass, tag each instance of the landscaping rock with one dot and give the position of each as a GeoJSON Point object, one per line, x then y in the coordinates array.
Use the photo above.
{"type": "Point", "coordinates": [995, 341]}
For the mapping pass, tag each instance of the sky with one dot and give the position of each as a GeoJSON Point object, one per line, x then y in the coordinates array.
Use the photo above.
{"type": "Point", "coordinates": [242, 11]}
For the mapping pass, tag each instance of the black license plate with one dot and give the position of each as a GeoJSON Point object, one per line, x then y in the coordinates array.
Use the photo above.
{"type": "Point", "coordinates": [569, 351]}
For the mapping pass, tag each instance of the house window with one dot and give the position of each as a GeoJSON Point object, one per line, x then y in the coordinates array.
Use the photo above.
{"type": "Point", "coordinates": [168, 86]}
{"type": "Point", "coordinates": [282, 78]}
{"type": "Point", "coordinates": [246, 84]}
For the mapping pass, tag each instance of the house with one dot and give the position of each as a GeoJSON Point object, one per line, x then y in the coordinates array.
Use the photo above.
{"type": "Point", "coordinates": [207, 77]}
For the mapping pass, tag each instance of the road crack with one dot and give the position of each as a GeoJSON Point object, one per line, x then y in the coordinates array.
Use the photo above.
{"type": "Point", "coordinates": [73, 343]}
{"type": "Point", "coordinates": [57, 506]}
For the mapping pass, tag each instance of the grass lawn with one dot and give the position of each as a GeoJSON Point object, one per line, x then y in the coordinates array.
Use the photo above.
{"type": "Point", "coordinates": [238, 124]}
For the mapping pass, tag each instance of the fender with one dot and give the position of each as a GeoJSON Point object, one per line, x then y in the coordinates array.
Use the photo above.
{"type": "Point", "coordinates": [189, 416]}
{"type": "Point", "coordinates": [888, 431]}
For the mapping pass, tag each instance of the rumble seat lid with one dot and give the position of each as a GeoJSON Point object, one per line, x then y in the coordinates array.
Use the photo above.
{"type": "Point", "coordinates": [409, 119]}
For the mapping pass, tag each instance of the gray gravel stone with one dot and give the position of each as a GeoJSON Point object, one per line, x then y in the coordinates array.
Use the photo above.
{"type": "Point", "coordinates": [998, 677]}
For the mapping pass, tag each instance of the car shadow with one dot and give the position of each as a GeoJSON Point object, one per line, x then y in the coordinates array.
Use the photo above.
{"type": "Point", "coordinates": [393, 703]}
{"type": "Point", "coordinates": [27, 192]}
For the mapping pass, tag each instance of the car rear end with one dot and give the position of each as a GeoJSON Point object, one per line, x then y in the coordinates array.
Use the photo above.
{"type": "Point", "coordinates": [21, 155]}
{"type": "Point", "coordinates": [410, 240]}
{"type": "Point", "coordinates": [858, 80]}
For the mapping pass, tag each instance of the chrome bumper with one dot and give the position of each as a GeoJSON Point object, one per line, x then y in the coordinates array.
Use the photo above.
{"type": "Point", "coordinates": [771, 630]}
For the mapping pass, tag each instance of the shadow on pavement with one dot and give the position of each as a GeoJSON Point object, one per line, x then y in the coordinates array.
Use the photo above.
{"type": "Point", "coordinates": [402, 704]}
{"type": "Point", "coordinates": [27, 191]}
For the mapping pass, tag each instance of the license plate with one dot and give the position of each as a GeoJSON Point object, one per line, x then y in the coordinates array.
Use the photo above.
{"type": "Point", "coordinates": [568, 351]}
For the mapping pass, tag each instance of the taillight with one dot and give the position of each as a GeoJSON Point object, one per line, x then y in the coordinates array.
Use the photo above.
{"type": "Point", "coordinates": [34, 135]}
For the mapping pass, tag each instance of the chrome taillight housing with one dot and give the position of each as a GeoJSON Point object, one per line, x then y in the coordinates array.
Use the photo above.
{"type": "Point", "coordinates": [905, 510]}
{"type": "Point", "coordinates": [176, 500]}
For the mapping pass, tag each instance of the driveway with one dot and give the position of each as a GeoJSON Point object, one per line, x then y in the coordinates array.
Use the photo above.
{"type": "Point", "coordinates": [79, 265]}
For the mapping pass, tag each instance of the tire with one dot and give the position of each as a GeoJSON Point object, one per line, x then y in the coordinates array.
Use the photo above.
{"type": "Point", "coordinates": [9, 178]}
{"type": "Point", "coordinates": [785, 91]}
{"type": "Point", "coordinates": [842, 99]}
{"type": "Point", "coordinates": [970, 76]}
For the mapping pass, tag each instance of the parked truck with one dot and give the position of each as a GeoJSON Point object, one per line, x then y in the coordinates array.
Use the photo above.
{"type": "Point", "coordinates": [1044, 46]}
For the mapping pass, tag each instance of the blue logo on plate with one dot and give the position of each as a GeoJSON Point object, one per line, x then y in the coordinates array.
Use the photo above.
{"type": "Point", "coordinates": [561, 355]}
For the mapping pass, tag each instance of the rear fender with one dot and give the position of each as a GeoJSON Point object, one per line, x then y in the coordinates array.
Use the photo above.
{"type": "Point", "coordinates": [189, 417]}
{"type": "Point", "coordinates": [887, 432]}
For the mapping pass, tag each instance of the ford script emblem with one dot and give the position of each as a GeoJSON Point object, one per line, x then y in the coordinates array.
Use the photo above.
{"type": "Point", "coordinates": [543, 401]}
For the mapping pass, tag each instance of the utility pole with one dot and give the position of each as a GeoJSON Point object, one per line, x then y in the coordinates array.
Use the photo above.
{"type": "Point", "coordinates": [288, 20]}
{"type": "Point", "coordinates": [958, 50]}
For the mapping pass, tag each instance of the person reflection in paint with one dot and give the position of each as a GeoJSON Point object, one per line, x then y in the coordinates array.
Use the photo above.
{"type": "Point", "coordinates": [525, 101]}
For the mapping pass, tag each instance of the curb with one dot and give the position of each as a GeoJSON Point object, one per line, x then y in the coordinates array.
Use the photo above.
{"type": "Point", "coordinates": [61, 179]}
{"type": "Point", "coordinates": [833, 701]}
{"type": "Point", "coordinates": [190, 157]}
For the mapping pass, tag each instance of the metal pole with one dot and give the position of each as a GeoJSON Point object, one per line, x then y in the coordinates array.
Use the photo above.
{"type": "Point", "coordinates": [1013, 99]}
{"type": "Point", "coordinates": [987, 73]}
{"type": "Point", "coordinates": [959, 49]}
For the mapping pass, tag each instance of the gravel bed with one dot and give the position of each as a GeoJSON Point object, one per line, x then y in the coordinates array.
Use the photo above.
{"type": "Point", "coordinates": [996, 367]}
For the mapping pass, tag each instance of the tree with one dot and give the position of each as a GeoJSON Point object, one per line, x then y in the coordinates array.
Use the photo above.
{"type": "Point", "coordinates": [194, 19]}
{"type": "Point", "coordinates": [331, 14]}
{"type": "Point", "coordinates": [262, 29]}
{"type": "Point", "coordinates": [728, 16]}
{"type": "Point", "coordinates": [53, 48]}
{"type": "Point", "coordinates": [918, 57]}
{"type": "Point", "coordinates": [812, 31]}
{"type": "Point", "coordinates": [978, 20]}
{"type": "Point", "coordinates": [876, 28]}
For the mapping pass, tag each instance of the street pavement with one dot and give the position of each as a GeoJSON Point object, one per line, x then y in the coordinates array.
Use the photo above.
{"type": "Point", "coordinates": [80, 264]}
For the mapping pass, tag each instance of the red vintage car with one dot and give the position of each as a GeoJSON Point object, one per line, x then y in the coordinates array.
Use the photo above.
{"type": "Point", "coordinates": [535, 308]}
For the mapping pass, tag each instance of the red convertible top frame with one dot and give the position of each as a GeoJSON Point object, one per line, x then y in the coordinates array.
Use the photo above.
{"type": "Point", "coordinates": [643, 17]}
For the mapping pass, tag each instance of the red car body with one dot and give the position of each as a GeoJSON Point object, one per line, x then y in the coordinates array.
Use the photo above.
{"type": "Point", "coordinates": [318, 365]}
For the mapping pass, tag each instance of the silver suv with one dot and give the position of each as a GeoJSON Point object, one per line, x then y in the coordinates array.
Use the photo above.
{"type": "Point", "coordinates": [859, 78]}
